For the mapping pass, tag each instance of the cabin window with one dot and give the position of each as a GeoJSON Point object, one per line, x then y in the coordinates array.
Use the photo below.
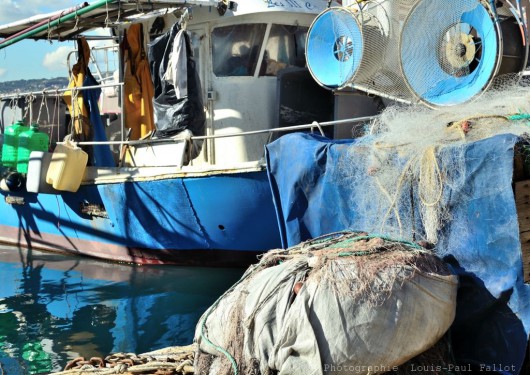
{"type": "Point", "coordinates": [285, 48]}
{"type": "Point", "coordinates": [236, 49]}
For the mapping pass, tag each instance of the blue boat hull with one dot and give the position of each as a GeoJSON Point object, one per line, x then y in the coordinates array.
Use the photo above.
{"type": "Point", "coordinates": [217, 219]}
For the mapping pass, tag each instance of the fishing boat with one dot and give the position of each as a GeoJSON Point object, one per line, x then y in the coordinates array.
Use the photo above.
{"type": "Point", "coordinates": [191, 187]}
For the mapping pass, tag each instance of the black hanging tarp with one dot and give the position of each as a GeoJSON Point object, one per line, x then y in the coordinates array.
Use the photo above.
{"type": "Point", "coordinates": [173, 115]}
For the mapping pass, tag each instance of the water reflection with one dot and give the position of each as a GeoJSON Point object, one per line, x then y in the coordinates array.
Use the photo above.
{"type": "Point", "coordinates": [54, 308]}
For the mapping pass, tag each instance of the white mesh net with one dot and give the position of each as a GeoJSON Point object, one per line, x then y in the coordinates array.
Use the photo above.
{"type": "Point", "coordinates": [405, 151]}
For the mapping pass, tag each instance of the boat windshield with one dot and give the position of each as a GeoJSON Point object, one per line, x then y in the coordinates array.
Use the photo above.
{"type": "Point", "coordinates": [236, 49]}
{"type": "Point", "coordinates": [285, 48]}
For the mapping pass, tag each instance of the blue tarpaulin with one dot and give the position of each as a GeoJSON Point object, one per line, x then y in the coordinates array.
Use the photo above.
{"type": "Point", "coordinates": [319, 186]}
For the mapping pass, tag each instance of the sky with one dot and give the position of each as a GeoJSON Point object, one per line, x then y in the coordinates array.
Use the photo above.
{"type": "Point", "coordinates": [33, 59]}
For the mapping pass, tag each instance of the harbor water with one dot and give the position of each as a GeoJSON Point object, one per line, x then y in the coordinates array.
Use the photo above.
{"type": "Point", "coordinates": [54, 308]}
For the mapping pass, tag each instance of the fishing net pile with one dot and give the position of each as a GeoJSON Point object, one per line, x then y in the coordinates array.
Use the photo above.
{"type": "Point", "coordinates": [402, 171]}
{"type": "Point", "coordinates": [344, 301]}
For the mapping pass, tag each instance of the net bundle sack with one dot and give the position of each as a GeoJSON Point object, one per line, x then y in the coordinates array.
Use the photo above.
{"type": "Point", "coordinates": [340, 303]}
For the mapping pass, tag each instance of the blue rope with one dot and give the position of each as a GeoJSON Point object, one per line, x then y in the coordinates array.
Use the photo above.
{"type": "Point", "coordinates": [519, 117]}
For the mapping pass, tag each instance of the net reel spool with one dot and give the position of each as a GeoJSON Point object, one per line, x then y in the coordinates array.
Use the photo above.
{"type": "Point", "coordinates": [371, 30]}
{"type": "Point", "coordinates": [454, 56]}
{"type": "Point", "coordinates": [438, 53]}
{"type": "Point", "coordinates": [514, 27]}
{"type": "Point", "coordinates": [334, 47]}
{"type": "Point", "coordinates": [337, 41]}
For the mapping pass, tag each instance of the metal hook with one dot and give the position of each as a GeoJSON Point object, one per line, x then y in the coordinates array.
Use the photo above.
{"type": "Point", "coordinates": [319, 128]}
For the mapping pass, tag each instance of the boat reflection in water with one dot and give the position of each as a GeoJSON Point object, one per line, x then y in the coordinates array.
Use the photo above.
{"type": "Point", "coordinates": [54, 308]}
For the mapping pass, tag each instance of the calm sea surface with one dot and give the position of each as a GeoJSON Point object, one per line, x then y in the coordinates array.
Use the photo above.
{"type": "Point", "coordinates": [54, 308]}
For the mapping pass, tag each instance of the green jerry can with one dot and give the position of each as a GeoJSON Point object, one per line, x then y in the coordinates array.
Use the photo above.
{"type": "Point", "coordinates": [28, 141]}
{"type": "Point", "coordinates": [10, 146]}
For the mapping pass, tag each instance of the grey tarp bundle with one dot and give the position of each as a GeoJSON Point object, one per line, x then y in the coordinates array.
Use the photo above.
{"type": "Point", "coordinates": [405, 309]}
{"type": "Point", "coordinates": [173, 115]}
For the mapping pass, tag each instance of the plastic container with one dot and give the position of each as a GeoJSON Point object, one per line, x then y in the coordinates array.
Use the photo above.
{"type": "Point", "coordinates": [67, 167]}
{"type": "Point", "coordinates": [10, 144]}
{"type": "Point", "coordinates": [39, 163]}
{"type": "Point", "coordinates": [28, 141]}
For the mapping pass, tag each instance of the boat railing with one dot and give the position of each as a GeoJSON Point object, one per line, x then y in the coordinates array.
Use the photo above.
{"type": "Point", "coordinates": [103, 75]}
{"type": "Point", "coordinates": [271, 131]}
{"type": "Point", "coordinates": [34, 95]}
{"type": "Point", "coordinates": [45, 92]}
{"type": "Point", "coordinates": [105, 55]}
{"type": "Point", "coordinates": [314, 125]}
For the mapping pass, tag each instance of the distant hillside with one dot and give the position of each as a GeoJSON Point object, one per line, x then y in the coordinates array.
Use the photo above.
{"type": "Point", "coordinates": [27, 85]}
